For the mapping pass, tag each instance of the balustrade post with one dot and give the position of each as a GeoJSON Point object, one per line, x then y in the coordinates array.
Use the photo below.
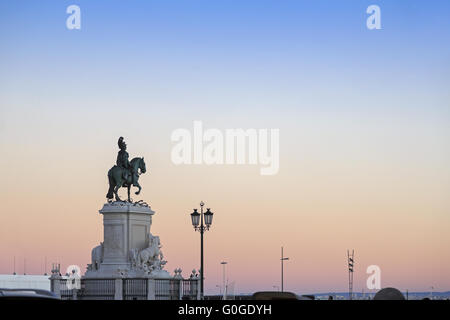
{"type": "Point", "coordinates": [151, 289]}
{"type": "Point", "coordinates": [118, 289]}
{"type": "Point", "coordinates": [199, 294]}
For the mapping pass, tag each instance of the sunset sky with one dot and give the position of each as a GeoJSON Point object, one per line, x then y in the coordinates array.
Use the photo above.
{"type": "Point", "coordinates": [364, 120]}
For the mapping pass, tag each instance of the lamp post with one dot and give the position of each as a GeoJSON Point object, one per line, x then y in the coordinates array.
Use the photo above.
{"type": "Point", "coordinates": [282, 269]}
{"type": "Point", "coordinates": [224, 263]}
{"type": "Point", "coordinates": [197, 222]}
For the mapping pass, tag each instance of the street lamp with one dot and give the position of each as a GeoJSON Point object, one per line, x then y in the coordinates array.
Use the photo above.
{"type": "Point", "coordinates": [224, 285]}
{"type": "Point", "coordinates": [282, 269]}
{"type": "Point", "coordinates": [197, 223]}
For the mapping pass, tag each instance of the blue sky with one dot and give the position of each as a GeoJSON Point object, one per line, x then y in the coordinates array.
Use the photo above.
{"type": "Point", "coordinates": [224, 48]}
{"type": "Point", "coordinates": [226, 59]}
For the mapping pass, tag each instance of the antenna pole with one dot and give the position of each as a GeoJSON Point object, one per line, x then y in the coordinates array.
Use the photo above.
{"type": "Point", "coordinates": [351, 262]}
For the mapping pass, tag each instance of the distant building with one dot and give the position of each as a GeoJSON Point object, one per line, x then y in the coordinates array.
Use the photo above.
{"type": "Point", "coordinates": [17, 281]}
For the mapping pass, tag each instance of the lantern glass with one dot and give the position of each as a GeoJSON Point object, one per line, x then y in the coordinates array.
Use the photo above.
{"type": "Point", "coordinates": [208, 217]}
{"type": "Point", "coordinates": [195, 216]}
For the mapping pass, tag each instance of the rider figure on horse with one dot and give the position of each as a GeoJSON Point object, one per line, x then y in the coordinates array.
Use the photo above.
{"type": "Point", "coordinates": [123, 162]}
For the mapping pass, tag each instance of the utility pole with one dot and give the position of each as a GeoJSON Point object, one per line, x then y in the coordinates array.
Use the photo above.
{"type": "Point", "coordinates": [282, 269]}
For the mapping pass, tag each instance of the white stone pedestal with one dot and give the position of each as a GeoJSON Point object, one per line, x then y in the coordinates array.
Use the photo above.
{"type": "Point", "coordinates": [126, 226]}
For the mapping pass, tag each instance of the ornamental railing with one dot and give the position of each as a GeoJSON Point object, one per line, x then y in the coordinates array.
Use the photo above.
{"type": "Point", "coordinates": [125, 289]}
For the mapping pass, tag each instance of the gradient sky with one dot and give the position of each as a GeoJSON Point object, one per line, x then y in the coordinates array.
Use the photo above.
{"type": "Point", "coordinates": [364, 119]}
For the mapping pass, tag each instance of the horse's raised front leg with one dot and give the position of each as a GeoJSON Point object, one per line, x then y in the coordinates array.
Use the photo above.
{"type": "Point", "coordinates": [139, 186]}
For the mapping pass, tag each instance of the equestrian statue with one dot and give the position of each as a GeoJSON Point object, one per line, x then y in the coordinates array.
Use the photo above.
{"type": "Point", "coordinates": [125, 173]}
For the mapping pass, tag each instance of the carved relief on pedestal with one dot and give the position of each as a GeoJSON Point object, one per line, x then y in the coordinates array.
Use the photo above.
{"type": "Point", "coordinates": [149, 260]}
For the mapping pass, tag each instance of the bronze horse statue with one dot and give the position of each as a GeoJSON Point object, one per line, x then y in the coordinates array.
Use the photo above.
{"type": "Point", "coordinates": [121, 177]}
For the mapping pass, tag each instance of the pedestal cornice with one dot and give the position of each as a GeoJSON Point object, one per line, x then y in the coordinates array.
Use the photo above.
{"type": "Point", "coordinates": [126, 207]}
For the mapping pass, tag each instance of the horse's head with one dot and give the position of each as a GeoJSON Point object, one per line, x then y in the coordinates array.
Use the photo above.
{"type": "Point", "coordinates": [142, 165]}
{"type": "Point", "coordinates": [138, 163]}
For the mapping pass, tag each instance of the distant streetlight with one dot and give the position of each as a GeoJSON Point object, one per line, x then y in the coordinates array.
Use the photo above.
{"type": "Point", "coordinates": [282, 269]}
{"type": "Point", "coordinates": [197, 222]}
{"type": "Point", "coordinates": [220, 289]}
{"type": "Point", "coordinates": [224, 263]}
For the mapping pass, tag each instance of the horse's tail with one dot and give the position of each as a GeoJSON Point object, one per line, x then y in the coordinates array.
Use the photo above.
{"type": "Point", "coordinates": [110, 193]}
